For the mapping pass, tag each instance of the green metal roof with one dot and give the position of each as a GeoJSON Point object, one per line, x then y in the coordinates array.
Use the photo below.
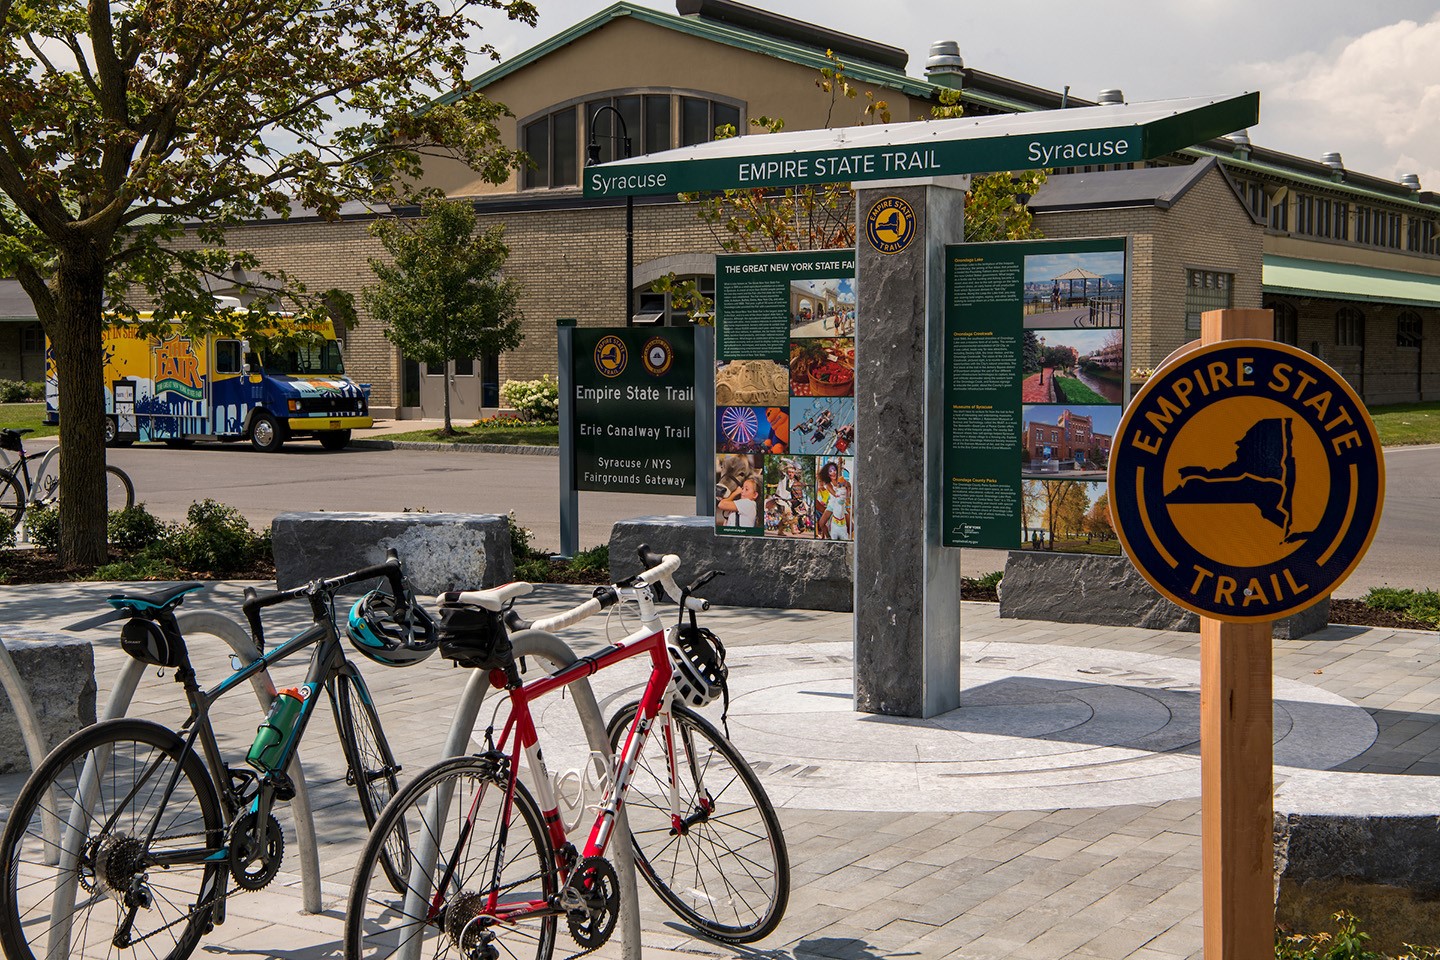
{"type": "Point", "coordinates": [857, 70]}
{"type": "Point", "coordinates": [1344, 281]}
{"type": "Point", "coordinates": [1321, 183]}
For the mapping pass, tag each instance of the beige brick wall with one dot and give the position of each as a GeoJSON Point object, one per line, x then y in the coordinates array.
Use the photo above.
{"type": "Point", "coordinates": [1206, 229]}
{"type": "Point", "coordinates": [1382, 371]}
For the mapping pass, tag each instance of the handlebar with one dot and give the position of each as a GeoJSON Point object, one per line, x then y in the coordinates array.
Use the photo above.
{"type": "Point", "coordinates": [391, 569]}
{"type": "Point", "coordinates": [660, 571]}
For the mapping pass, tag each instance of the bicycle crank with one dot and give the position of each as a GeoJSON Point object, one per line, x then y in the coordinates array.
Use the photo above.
{"type": "Point", "coordinates": [256, 851]}
{"type": "Point", "coordinates": [591, 901]}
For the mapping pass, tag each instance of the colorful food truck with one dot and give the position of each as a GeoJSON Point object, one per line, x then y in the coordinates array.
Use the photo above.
{"type": "Point", "coordinates": [185, 387]}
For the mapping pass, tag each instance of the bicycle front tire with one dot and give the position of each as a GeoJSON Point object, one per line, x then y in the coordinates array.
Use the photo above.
{"type": "Point", "coordinates": [727, 872]}
{"type": "Point", "coordinates": [119, 491]}
{"type": "Point", "coordinates": [371, 764]}
{"type": "Point", "coordinates": [102, 856]}
{"type": "Point", "coordinates": [450, 816]}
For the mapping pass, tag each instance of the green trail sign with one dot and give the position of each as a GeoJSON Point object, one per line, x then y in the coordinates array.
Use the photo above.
{"type": "Point", "coordinates": [634, 409]}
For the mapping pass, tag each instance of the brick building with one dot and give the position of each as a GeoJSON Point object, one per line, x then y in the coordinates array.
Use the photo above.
{"type": "Point", "coordinates": [1071, 437]}
{"type": "Point", "coordinates": [1349, 262]}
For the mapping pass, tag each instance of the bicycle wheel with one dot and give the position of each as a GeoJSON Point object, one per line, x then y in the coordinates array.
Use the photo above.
{"type": "Point", "coordinates": [12, 501]}
{"type": "Point", "coordinates": [450, 817]}
{"type": "Point", "coordinates": [119, 491]}
{"type": "Point", "coordinates": [99, 881]}
{"type": "Point", "coordinates": [371, 767]}
{"type": "Point", "coordinates": [719, 861]}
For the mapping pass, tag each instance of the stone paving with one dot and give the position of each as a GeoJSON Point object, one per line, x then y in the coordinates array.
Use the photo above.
{"type": "Point", "coordinates": [1056, 814]}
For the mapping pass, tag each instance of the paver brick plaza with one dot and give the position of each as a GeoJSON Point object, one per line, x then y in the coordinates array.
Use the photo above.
{"type": "Point", "coordinates": [1087, 735]}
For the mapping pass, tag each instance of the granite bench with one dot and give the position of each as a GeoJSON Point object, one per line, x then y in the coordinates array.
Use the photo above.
{"type": "Point", "coordinates": [440, 550]}
{"type": "Point", "coordinates": [58, 675]}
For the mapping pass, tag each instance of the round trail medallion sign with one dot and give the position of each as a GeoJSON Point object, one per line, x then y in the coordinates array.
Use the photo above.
{"type": "Point", "coordinates": [1246, 480]}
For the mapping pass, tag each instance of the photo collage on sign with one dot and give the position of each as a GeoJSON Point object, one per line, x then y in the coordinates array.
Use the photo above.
{"type": "Point", "coordinates": [1073, 388]}
{"type": "Point", "coordinates": [785, 436]}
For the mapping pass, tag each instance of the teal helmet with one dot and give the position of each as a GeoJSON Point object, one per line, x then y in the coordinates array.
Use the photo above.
{"type": "Point", "coordinates": [389, 634]}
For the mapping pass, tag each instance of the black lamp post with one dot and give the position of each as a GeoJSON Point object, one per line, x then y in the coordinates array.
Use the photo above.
{"type": "Point", "coordinates": [592, 156]}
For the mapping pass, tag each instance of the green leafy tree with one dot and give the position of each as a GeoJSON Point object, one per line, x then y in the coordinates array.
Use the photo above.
{"type": "Point", "coordinates": [1030, 352]}
{"type": "Point", "coordinates": [443, 298]}
{"type": "Point", "coordinates": [131, 130]}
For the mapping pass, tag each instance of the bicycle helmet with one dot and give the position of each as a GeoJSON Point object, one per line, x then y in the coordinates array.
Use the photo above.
{"type": "Point", "coordinates": [697, 658]}
{"type": "Point", "coordinates": [376, 631]}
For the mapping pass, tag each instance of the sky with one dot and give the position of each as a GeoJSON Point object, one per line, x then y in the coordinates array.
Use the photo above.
{"type": "Point", "coordinates": [1360, 78]}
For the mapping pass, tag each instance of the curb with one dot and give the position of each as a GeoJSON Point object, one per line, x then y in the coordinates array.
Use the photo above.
{"type": "Point", "coordinates": [456, 447]}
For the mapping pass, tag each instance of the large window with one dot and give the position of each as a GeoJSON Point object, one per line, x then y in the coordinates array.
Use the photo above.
{"type": "Point", "coordinates": [1206, 290]}
{"type": "Point", "coordinates": [1407, 330]}
{"type": "Point", "coordinates": [557, 141]}
{"type": "Point", "coordinates": [1349, 327]}
{"type": "Point", "coordinates": [657, 307]}
{"type": "Point", "coordinates": [1421, 235]}
{"type": "Point", "coordinates": [1287, 324]}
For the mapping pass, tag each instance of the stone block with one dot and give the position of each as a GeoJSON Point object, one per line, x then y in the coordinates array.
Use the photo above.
{"type": "Point", "coordinates": [58, 672]}
{"type": "Point", "coordinates": [777, 574]}
{"type": "Point", "coordinates": [1366, 843]}
{"type": "Point", "coordinates": [440, 550]}
{"type": "Point", "coordinates": [1081, 588]}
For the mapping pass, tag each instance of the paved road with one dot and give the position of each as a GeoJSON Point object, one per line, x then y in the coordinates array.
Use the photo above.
{"type": "Point", "coordinates": [307, 478]}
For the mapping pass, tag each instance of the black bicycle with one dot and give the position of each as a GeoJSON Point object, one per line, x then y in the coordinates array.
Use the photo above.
{"type": "Point", "coordinates": [152, 838]}
{"type": "Point", "coordinates": [22, 487]}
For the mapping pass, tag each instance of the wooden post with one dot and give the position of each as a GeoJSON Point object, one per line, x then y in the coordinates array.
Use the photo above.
{"type": "Point", "coordinates": [1237, 752]}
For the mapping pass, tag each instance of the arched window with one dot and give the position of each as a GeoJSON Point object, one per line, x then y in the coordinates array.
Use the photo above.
{"type": "Point", "coordinates": [1349, 327]}
{"type": "Point", "coordinates": [556, 138]}
{"type": "Point", "coordinates": [1287, 323]}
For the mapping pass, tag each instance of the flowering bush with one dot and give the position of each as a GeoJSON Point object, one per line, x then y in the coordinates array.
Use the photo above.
{"type": "Point", "coordinates": [1139, 374]}
{"type": "Point", "coordinates": [536, 400]}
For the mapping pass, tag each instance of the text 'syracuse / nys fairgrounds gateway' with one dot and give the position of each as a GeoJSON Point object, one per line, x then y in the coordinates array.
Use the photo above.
{"type": "Point", "coordinates": [1349, 262]}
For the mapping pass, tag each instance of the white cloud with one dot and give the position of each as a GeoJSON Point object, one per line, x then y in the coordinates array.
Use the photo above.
{"type": "Point", "coordinates": [1373, 98]}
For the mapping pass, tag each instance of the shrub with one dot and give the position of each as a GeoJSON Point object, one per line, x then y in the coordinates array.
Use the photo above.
{"type": "Point", "coordinates": [141, 567]}
{"type": "Point", "coordinates": [7, 531]}
{"type": "Point", "coordinates": [43, 526]}
{"type": "Point", "coordinates": [533, 570]}
{"type": "Point", "coordinates": [15, 391]}
{"type": "Point", "coordinates": [214, 538]}
{"type": "Point", "coordinates": [594, 560]}
{"type": "Point", "coordinates": [536, 400]}
{"type": "Point", "coordinates": [1423, 605]}
{"type": "Point", "coordinates": [134, 528]}
{"type": "Point", "coordinates": [520, 538]}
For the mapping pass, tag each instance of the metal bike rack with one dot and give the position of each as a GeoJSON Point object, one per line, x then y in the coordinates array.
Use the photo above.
{"type": "Point", "coordinates": [197, 621]}
{"type": "Point", "coordinates": [30, 732]}
{"type": "Point", "coordinates": [529, 643]}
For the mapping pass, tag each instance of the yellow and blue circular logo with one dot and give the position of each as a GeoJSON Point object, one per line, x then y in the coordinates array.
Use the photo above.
{"type": "Point", "coordinates": [1246, 480]}
{"type": "Point", "coordinates": [611, 356]}
{"type": "Point", "coordinates": [658, 356]}
{"type": "Point", "coordinates": [891, 225]}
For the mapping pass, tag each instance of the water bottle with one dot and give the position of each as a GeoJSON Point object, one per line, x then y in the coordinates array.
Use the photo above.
{"type": "Point", "coordinates": [272, 735]}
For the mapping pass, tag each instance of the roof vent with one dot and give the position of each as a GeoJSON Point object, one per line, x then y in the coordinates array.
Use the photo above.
{"type": "Point", "coordinates": [944, 58]}
{"type": "Point", "coordinates": [1333, 161]}
{"type": "Point", "coordinates": [1411, 180]}
{"type": "Point", "coordinates": [1241, 141]}
{"type": "Point", "coordinates": [1111, 96]}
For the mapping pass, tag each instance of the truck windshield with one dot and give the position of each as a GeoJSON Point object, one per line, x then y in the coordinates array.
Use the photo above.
{"type": "Point", "coordinates": [307, 360]}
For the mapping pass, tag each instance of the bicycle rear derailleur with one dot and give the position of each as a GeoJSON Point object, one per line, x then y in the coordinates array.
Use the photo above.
{"type": "Point", "coordinates": [591, 901]}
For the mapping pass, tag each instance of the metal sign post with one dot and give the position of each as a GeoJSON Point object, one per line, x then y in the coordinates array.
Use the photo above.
{"type": "Point", "coordinates": [1246, 482]}
{"type": "Point", "coordinates": [569, 497]}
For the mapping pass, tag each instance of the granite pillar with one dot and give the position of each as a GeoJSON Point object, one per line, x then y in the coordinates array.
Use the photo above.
{"type": "Point", "coordinates": [907, 623]}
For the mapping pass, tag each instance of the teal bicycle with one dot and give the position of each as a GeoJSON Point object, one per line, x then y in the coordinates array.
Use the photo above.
{"type": "Point", "coordinates": [154, 836]}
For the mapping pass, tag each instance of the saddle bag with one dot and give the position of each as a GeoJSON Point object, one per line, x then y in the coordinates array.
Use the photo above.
{"type": "Point", "coordinates": [474, 637]}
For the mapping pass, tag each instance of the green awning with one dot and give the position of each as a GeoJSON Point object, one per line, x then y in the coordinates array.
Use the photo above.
{"type": "Point", "coordinates": [1112, 133]}
{"type": "Point", "coordinates": [1344, 281]}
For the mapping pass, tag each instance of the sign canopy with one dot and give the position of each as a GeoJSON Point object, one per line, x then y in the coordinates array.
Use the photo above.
{"type": "Point", "coordinates": [1109, 133]}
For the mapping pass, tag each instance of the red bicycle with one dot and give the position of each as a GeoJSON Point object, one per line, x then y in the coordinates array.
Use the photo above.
{"type": "Point", "coordinates": [490, 869]}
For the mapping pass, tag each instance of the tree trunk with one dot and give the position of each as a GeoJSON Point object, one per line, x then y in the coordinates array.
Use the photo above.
{"type": "Point", "coordinates": [448, 428]}
{"type": "Point", "coordinates": [80, 370]}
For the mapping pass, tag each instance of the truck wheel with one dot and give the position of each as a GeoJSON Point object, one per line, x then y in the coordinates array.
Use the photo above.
{"type": "Point", "coordinates": [112, 433]}
{"type": "Point", "coordinates": [267, 434]}
{"type": "Point", "coordinates": [335, 439]}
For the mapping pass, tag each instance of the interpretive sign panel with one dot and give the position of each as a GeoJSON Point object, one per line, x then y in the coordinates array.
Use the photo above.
{"type": "Point", "coordinates": [1035, 377]}
{"type": "Point", "coordinates": [1246, 480]}
{"type": "Point", "coordinates": [785, 395]}
{"type": "Point", "coordinates": [635, 409]}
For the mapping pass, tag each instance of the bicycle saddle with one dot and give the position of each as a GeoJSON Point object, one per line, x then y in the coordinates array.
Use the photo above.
{"type": "Point", "coordinates": [166, 599]}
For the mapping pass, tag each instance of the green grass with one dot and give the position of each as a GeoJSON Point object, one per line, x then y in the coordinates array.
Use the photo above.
{"type": "Point", "coordinates": [522, 434]}
{"type": "Point", "coordinates": [1407, 423]}
{"type": "Point", "coordinates": [1076, 392]}
{"type": "Point", "coordinates": [19, 416]}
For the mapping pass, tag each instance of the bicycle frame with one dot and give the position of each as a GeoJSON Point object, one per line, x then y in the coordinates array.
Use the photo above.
{"type": "Point", "coordinates": [19, 467]}
{"type": "Point", "coordinates": [520, 724]}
